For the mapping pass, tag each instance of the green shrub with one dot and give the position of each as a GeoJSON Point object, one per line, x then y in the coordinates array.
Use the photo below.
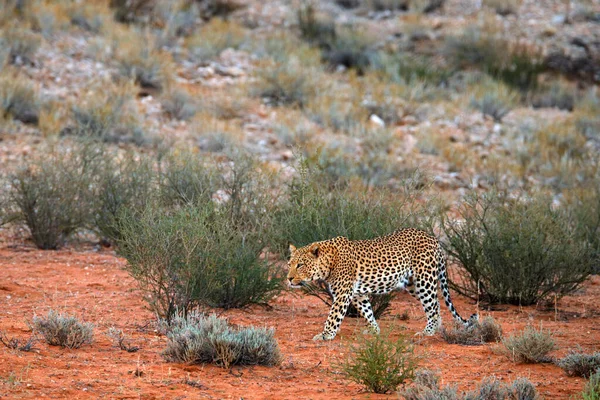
{"type": "Point", "coordinates": [63, 330]}
{"type": "Point", "coordinates": [530, 346]}
{"type": "Point", "coordinates": [108, 115]}
{"type": "Point", "coordinates": [515, 251]}
{"type": "Point", "coordinates": [482, 332]}
{"type": "Point", "coordinates": [125, 183]}
{"type": "Point", "coordinates": [186, 180]}
{"type": "Point", "coordinates": [379, 303]}
{"type": "Point", "coordinates": [580, 364]}
{"type": "Point", "coordinates": [200, 254]}
{"type": "Point", "coordinates": [379, 363]}
{"type": "Point", "coordinates": [196, 339]}
{"type": "Point", "coordinates": [592, 389]}
{"type": "Point", "coordinates": [52, 194]}
{"type": "Point", "coordinates": [315, 211]}
{"type": "Point", "coordinates": [19, 99]}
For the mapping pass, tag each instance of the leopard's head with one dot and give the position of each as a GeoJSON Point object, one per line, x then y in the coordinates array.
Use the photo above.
{"type": "Point", "coordinates": [309, 263]}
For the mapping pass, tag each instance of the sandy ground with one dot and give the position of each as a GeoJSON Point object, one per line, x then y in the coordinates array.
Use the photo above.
{"type": "Point", "coordinates": [94, 286]}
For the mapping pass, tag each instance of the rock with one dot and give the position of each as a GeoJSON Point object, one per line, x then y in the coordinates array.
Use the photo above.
{"type": "Point", "coordinates": [376, 120]}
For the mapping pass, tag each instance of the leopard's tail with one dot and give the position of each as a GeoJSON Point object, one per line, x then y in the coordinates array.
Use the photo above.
{"type": "Point", "coordinates": [446, 292]}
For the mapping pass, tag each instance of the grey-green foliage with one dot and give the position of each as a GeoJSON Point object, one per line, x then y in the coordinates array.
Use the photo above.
{"type": "Point", "coordinates": [53, 194]}
{"type": "Point", "coordinates": [515, 251]}
{"type": "Point", "coordinates": [380, 363]}
{"type": "Point", "coordinates": [426, 387]}
{"type": "Point", "coordinates": [186, 179]}
{"type": "Point", "coordinates": [197, 339]}
{"type": "Point", "coordinates": [577, 363]}
{"type": "Point", "coordinates": [63, 330]}
{"type": "Point", "coordinates": [20, 43]}
{"type": "Point", "coordinates": [530, 346]}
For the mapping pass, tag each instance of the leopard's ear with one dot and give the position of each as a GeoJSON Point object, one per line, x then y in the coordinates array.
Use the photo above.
{"type": "Point", "coordinates": [292, 248]}
{"type": "Point", "coordinates": [314, 249]}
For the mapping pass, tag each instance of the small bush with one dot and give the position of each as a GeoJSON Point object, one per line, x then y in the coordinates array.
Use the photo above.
{"type": "Point", "coordinates": [52, 194]}
{"type": "Point", "coordinates": [213, 38]}
{"type": "Point", "coordinates": [17, 344]}
{"type": "Point", "coordinates": [119, 340]}
{"type": "Point", "coordinates": [20, 42]}
{"type": "Point", "coordinates": [580, 364]}
{"type": "Point", "coordinates": [379, 303]}
{"type": "Point", "coordinates": [502, 7]}
{"type": "Point", "coordinates": [516, 64]}
{"type": "Point", "coordinates": [555, 96]}
{"type": "Point", "coordinates": [380, 363]}
{"type": "Point", "coordinates": [531, 346]}
{"type": "Point", "coordinates": [108, 114]}
{"type": "Point", "coordinates": [485, 331]}
{"type": "Point", "coordinates": [495, 100]}
{"type": "Point", "coordinates": [178, 104]}
{"type": "Point", "coordinates": [63, 330]}
{"type": "Point", "coordinates": [426, 387]}
{"type": "Point", "coordinates": [196, 339]}
{"type": "Point", "coordinates": [138, 59]}
{"type": "Point", "coordinates": [592, 389]}
{"type": "Point", "coordinates": [515, 251]}
{"type": "Point", "coordinates": [288, 84]}
{"type": "Point", "coordinates": [19, 99]}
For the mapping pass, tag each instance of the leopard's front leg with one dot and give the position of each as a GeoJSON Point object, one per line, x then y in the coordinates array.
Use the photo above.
{"type": "Point", "coordinates": [336, 315]}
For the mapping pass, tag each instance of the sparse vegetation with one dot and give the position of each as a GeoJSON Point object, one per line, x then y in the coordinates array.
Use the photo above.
{"type": "Point", "coordinates": [577, 363]}
{"type": "Point", "coordinates": [530, 346]}
{"type": "Point", "coordinates": [198, 339]}
{"type": "Point", "coordinates": [63, 330]}
{"type": "Point", "coordinates": [515, 251]}
{"type": "Point", "coordinates": [213, 38]}
{"type": "Point", "coordinates": [20, 43]}
{"type": "Point", "coordinates": [17, 344]}
{"type": "Point", "coordinates": [503, 7]}
{"type": "Point", "coordinates": [380, 363]}
{"type": "Point", "coordinates": [494, 100]}
{"type": "Point", "coordinates": [486, 331]}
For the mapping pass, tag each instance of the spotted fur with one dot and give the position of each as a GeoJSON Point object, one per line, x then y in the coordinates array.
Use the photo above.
{"type": "Point", "coordinates": [409, 259]}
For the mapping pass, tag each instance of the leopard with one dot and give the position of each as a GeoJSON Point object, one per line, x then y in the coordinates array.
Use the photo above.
{"type": "Point", "coordinates": [409, 259]}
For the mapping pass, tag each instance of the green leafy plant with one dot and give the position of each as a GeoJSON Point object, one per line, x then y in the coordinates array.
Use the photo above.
{"type": "Point", "coordinates": [577, 363]}
{"type": "Point", "coordinates": [515, 251]}
{"type": "Point", "coordinates": [379, 362]}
